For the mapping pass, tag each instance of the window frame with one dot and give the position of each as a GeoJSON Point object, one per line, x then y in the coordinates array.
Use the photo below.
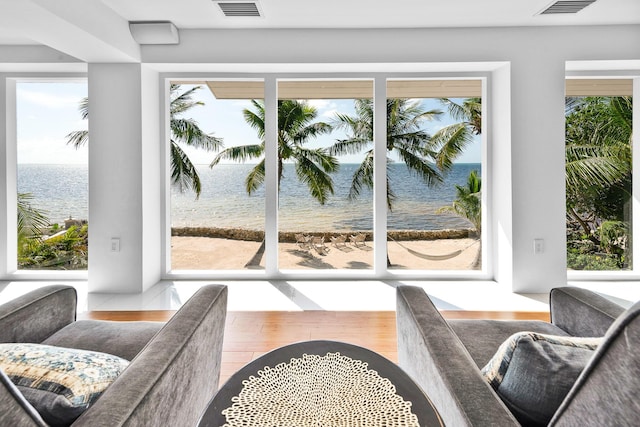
{"type": "Point", "coordinates": [634, 272]}
{"type": "Point", "coordinates": [379, 270]}
{"type": "Point", "coordinates": [9, 157]}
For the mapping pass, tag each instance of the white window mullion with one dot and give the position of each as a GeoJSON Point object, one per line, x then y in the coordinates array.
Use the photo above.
{"type": "Point", "coordinates": [271, 175]}
{"type": "Point", "coordinates": [635, 183]}
{"type": "Point", "coordinates": [9, 233]}
{"type": "Point", "coordinates": [380, 176]}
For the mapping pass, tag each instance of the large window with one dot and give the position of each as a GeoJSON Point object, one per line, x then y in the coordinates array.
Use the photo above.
{"type": "Point", "coordinates": [599, 115]}
{"type": "Point", "coordinates": [312, 179]}
{"type": "Point", "coordinates": [434, 174]}
{"type": "Point", "coordinates": [325, 159]}
{"type": "Point", "coordinates": [52, 175]}
{"type": "Point", "coordinates": [217, 197]}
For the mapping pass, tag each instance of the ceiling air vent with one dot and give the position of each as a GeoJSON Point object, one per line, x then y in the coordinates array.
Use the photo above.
{"type": "Point", "coordinates": [566, 6]}
{"type": "Point", "coordinates": [239, 8]}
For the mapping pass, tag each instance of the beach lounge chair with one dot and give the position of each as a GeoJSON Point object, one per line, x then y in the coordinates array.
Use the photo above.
{"type": "Point", "coordinates": [341, 240]}
{"type": "Point", "coordinates": [317, 243]}
{"type": "Point", "coordinates": [303, 241]}
{"type": "Point", "coordinates": [358, 239]}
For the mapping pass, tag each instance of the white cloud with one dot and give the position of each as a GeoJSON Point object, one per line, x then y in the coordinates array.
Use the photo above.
{"type": "Point", "coordinates": [49, 150]}
{"type": "Point", "coordinates": [320, 104]}
{"type": "Point", "coordinates": [47, 99]}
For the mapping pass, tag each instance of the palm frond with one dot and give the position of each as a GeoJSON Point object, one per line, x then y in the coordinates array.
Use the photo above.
{"type": "Point", "coordinates": [183, 173]}
{"type": "Point", "coordinates": [256, 118]}
{"type": "Point", "coordinates": [255, 178]}
{"type": "Point", "coordinates": [78, 138]}
{"type": "Point", "coordinates": [84, 108]}
{"type": "Point", "coordinates": [183, 101]}
{"type": "Point", "coordinates": [420, 166]}
{"type": "Point", "coordinates": [317, 180]}
{"type": "Point", "coordinates": [452, 140]}
{"type": "Point", "coordinates": [31, 220]}
{"type": "Point", "coordinates": [188, 132]}
{"type": "Point", "coordinates": [240, 153]}
{"type": "Point", "coordinates": [362, 177]}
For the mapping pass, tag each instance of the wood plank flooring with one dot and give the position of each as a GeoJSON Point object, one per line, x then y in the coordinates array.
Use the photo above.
{"type": "Point", "coordinates": [249, 334]}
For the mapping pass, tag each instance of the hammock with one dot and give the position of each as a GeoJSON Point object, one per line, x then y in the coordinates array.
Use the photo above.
{"type": "Point", "coordinates": [427, 256]}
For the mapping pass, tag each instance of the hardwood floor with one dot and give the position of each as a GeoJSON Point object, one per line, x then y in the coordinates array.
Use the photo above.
{"type": "Point", "coordinates": [249, 334]}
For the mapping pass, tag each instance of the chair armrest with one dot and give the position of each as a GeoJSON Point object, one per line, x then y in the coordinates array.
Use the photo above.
{"type": "Point", "coordinates": [35, 316]}
{"type": "Point", "coordinates": [14, 408]}
{"type": "Point", "coordinates": [172, 379]}
{"type": "Point", "coordinates": [581, 312]}
{"type": "Point", "coordinates": [433, 355]}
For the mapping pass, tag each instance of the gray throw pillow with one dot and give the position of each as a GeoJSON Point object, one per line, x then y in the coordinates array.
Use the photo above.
{"type": "Point", "coordinates": [532, 373]}
{"type": "Point", "coordinates": [60, 383]}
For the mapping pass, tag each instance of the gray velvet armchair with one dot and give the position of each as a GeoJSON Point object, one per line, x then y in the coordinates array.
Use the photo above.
{"type": "Point", "coordinates": [174, 368]}
{"type": "Point", "coordinates": [445, 358]}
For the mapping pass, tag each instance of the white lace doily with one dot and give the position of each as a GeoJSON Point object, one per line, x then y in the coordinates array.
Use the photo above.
{"type": "Point", "coordinates": [331, 390]}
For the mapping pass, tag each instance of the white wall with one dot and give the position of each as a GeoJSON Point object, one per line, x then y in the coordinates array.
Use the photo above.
{"type": "Point", "coordinates": [528, 190]}
{"type": "Point", "coordinates": [527, 142]}
{"type": "Point", "coordinates": [123, 178]}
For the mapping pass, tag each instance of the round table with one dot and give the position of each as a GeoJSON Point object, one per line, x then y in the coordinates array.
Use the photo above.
{"type": "Point", "coordinates": [405, 388]}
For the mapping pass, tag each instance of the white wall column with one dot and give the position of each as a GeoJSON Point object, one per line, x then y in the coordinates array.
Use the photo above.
{"type": "Point", "coordinates": [8, 253]}
{"type": "Point", "coordinates": [124, 159]}
{"type": "Point", "coordinates": [498, 136]}
{"type": "Point", "coordinates": [538, 171]}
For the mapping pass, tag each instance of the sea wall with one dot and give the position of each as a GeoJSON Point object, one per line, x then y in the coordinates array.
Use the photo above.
{"type": "Point", "coordinates": [286, 236]}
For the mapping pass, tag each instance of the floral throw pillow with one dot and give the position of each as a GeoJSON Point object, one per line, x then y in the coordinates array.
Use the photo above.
{"type": "Point", "coordinates": [60, 383]}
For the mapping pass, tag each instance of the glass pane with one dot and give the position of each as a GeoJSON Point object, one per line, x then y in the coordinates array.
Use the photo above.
{"type": "Point", "coordinates": [434, 175]}
{"type": "Point", "coordinates": [325, 212]}
{"type": "Point", "coordinates": [217, 218]}
{"type": "Point", "coordinates": [52, 176]}
{"type": "Point", "coordinates": [598, 182]}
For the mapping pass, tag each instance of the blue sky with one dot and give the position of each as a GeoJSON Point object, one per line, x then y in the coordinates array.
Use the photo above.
{"type": "Point", "coordinates": [224, 119]}
{"type": "Point", "coordinates": [47, 112]}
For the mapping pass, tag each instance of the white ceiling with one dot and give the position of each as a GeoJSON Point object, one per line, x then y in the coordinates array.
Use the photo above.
{"type": "Point", "coordinates": [376, 13]}
{"type": "Point", "coordinates": [205, 14]}
{"type": "Point", "coordinates": [98, 30]}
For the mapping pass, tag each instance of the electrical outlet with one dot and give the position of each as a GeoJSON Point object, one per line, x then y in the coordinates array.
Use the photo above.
{"type": "Point", "coordinates": [538, 246]}
{"type": "Point", "coordinates": [115, 244]}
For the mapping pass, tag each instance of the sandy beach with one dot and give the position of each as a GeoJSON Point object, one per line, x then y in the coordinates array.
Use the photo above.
{"type": "Point", "coordinates": [206, 253]}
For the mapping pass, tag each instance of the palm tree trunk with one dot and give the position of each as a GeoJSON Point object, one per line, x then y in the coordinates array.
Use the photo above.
{"type": "Point", "coordinates": [254, 262]}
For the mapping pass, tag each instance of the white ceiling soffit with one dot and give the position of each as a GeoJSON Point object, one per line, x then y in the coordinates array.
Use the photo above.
{"type": "Point", "coordinates": [348, 89]}
{"type": "Point", "coordinates": [239, 9]}
{"type": "Point", "coordinates": [599, 87]}
{"type": "Point", "coordinates": [154, 32]}
{"type": "Point", "coordinates": [566, 6]}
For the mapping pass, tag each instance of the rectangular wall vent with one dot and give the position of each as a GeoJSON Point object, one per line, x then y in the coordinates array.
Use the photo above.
{"type": "Point", "coordinates": [239, 8]}
{"type": "Point", "coordinates": [566, 6]}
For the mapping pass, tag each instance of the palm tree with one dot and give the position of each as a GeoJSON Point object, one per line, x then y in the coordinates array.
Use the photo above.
{"type": "Point", "coordinates": [598, 159]}
{"type": "Point", "coordinates": [183, 130]}
{"type": "Point", "coordinates": [296, 127]}
{"type": "Point", "coordinates": [31, 220]}
{"type": "Point", "coordinates": [454, 138]}
{"type": "Point", "coordinates": [468, 201]}
{"type": "Point", "coordinates": [405, 138]}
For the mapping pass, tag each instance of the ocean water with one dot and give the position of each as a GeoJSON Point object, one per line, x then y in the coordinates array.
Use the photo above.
{"type": "Point", "coordinates": [224, 202]}
{"type": "Point", "coordinates": [62, 191]}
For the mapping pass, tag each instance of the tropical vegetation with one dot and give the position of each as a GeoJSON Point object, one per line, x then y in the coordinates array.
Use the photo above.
{"type": "Point", "coordinates": [66, 250]}
{"type": "Point", "coordinates": [428, 156]}
{"type": "Point", "coordinates": [297, 126]}
{"type": "Point", "coordinates": [453, 139]}
{"type": "Point", "coordinates": [598, 182]}
{"type": "Point", "coordinates": [406, 139]}
{"type": "Point", "coordinates": [184, 174]}
{"type": "Point", "coordinates": [468, 201]}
